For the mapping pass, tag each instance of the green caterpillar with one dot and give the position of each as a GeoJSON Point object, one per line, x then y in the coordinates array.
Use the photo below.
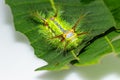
{"type": "Point", "coordinates": [58, 32]}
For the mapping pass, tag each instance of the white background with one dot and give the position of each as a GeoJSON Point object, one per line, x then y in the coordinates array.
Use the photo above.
{"type": "Point", "coordinates": [17, 59]}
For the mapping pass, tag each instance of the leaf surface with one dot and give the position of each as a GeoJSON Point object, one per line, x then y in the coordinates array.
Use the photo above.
{"type": "Point", "coordinates": [97, 21]}
{"type": "Point", "coordinates": [108, 43]}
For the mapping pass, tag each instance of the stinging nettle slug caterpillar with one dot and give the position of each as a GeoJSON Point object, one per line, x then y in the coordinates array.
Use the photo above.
{"type": "Point", "coordinates": [58, 32]}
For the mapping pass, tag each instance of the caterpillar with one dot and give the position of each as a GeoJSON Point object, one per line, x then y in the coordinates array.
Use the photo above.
{"type": "Point", "coordinates": [58, 32]}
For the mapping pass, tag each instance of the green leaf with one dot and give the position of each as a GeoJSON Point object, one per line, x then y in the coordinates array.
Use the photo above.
{"type": "Point", "coordinates": [108, 43]}
{"type": "Point", "coordinates": [114, 6]}
{"type": "Point", "coordinates": [98, 20]}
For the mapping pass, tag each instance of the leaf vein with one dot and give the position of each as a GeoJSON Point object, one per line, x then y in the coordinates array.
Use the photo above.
{"type": "Point", "coordinates": [110, 43]}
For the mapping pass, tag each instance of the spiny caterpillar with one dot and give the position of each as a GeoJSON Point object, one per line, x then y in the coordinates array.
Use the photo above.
{"type": "Point", "coordinates": [58, 32]}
